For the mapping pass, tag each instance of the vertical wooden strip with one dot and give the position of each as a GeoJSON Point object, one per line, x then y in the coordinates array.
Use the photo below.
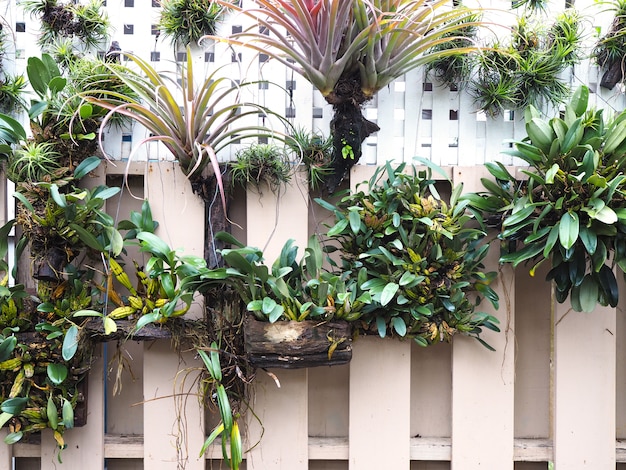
{"type": "Point", "coordinates": [6, 451]}
{"type": "Point", "coordinates": [483, 380]}
{"type": "Point", "coordinates": [380, 393]}
{"type": "Point", "coordinates": [85, 445]}
{"type": "Point", "coordinates": [282, 427]}
{"type": "Point", "coordinates": [584, 388]}
{"type": "Point", "coordinates": [379, 427]}
{"type": "Point", "coordinates": [173, 419]}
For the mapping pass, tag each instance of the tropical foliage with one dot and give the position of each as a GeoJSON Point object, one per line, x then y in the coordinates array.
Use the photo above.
{"type": "Point", "coordinates": [416, 257]}
{"type": "Point", "coordinates": [571, 209]}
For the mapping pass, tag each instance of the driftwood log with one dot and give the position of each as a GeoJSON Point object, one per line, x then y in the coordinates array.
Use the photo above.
{"type": "Point", "coordinates": [296, 345]}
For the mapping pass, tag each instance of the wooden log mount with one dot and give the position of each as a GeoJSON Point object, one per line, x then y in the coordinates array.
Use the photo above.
{"type": "Point", "coordinates": [297, 345]}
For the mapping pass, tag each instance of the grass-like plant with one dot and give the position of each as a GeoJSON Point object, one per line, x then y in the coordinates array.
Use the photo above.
{"type": "Point", "coordinates": [186, 21]}
{"type": "Point", "coordinates": [32, 162]}
{"type": "Point", "coordinates": [314, 151]}
{"type": "Point", "coordinates": [526, 71]}
{"type": "Point", "coordinates": [261, 163]}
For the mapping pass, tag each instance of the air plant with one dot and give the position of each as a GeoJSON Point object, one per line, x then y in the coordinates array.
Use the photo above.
{"type": "Point", "coordinates": [610, 51]}
{"type": "Point", "coordinates": [88, 22]}
{"type": "Point", "coordinates": [208, 118]}
{"type": "Point", "coordinates": [186, 21]}
{"type": "Point", "coordinates": [260, 163]}
{"type": "Point", "coordinates": [315, 152]}
{"type": "Point", "coordinates": [349, 50]}
{"type": "Point", "coordinates": [526, 71]}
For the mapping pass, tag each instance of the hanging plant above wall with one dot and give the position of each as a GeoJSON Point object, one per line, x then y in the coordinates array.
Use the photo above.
{"type": "Point", "coordinates": [87, 23]}
{"type": "Point", "coordinates": [526, 70]}
{"type": "Point", "coordinates": [571, 211]}
{"type": "Point", "coordinates": [610, 51]}
{"type": "Point", "coordinates": [186, 21]}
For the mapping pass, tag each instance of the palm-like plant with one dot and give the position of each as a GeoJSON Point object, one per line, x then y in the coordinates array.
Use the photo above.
{"type": "Point", "coordinates": [195, 128]}
{"type": "Point", "coordinates": [351, 49]}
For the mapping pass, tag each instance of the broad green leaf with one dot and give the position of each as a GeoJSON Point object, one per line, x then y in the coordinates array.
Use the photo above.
{"type": "Point", "coordinates": [569, 229]}
{"type": "Point", "coordinates": [68, 414]}
{"type": "Point", "coordinates": [13, 437]}
{"type": "Point", "coordinates": [87, 238]}
{"type": "Point", "coordinates": [14, 406]}
{"type": "Point", "coordinates": [87, 165]}
{"type": "Point", "coordinates": [588, 294]}
{"type": "Point", "coordinates": [589, 239]}
{"type": "Point", "coordinates": [551, 173]}
{"type": "Point", "coordinates": [355, 221]}
{"type": "Point", "coordinates": [399, 325]}
{"type": "Point", "coordinates": [147, 319]}
{"type": "Point", "coordinates": [70, 343]}
{"type": "Point", "coordinates": [57, 373]}
{"type": "Point", "coordinates": [388, 293]}
{"type": "Point", "coordinates": [606, 215]}
{"type": "Point", "coordinates": [338, 228]}
{"type": "Point", "coordinates": [6, 347]}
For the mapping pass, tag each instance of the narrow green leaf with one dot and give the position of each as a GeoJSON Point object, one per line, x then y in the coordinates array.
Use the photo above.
{"type": "Point", "coordinates": [68, 414]}
{"type": "Point", "coordinates": [53, 413]}
{"type": "Point", "coordinates": [87, 165]}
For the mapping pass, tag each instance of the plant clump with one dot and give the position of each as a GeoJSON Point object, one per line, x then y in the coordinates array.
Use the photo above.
{"type": "Point", "coordinates": [261, 163]}
{"type": "Point", "coordinates": [570, 212]}
{"type": "Point", "coordinates": [87, 23]}
{"type": "Point", "coordinates": [417, 258]}
{"type": "Point", "coordinates": [610, 50]}
{"type": "Point", "coordinates": [526, 71]}
{"type": "Point", "coordinates": [315, 152]}
{"type": "Point", "coordinates": [187, 21]}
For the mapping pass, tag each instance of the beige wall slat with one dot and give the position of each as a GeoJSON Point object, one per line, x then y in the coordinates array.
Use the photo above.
{"type": "Point", "coordinates": [272, 219]}
{"type": "Point", "coordinates": [584, 388]}
{"type": "Point", "coordinates": [173, 421]}
{"type": "Point", "coordinates": [482, 380]}
{"type": "Point", "coordinates": [6, 451]}
{"type": "Point", "coordinates": [380, 389]}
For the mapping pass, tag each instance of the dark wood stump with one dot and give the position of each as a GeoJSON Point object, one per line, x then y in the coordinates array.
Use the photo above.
{"type": "Point", "coordinates": [297, 345]}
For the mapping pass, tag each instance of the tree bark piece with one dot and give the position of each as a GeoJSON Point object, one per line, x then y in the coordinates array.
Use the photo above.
{"type": "Point", "coordinates": [295, 345]}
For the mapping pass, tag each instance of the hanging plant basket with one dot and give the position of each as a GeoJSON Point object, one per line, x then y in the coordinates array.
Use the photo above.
{"type": "Point", "coordinates": [297, 345]}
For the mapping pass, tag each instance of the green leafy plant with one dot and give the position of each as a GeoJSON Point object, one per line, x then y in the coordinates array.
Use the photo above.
{"type": "Point", "coordinates": [261, 163]}
{"type": "Point", "coordinates": [314, 151]}
{"type": "Point", "coordinates": [571, 210]}
{"type": "Point", "coordinates": [186, 21]}
{"type": "Point", "coordinates": [289, 289]}
{"type": "Point", "coordinates": [418, 258]}
{"type": "Point", "coordinates": [228, 426]}
{"type": "Point", "coordinates": [349, 51]}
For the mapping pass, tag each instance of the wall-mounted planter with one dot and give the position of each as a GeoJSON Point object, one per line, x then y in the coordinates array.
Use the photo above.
{"type": "Point", "coordinates": [296, 345]}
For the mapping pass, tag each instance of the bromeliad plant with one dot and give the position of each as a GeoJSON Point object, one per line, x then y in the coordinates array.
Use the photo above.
{"type": "Point", "coordinates": [349, 50]}
{"type": "Point", "coordinates": [205, 119]}
{"type": "Point", "coordinates": [418, 258]}
{"type": "Point", "coordinates": [571, 211]}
